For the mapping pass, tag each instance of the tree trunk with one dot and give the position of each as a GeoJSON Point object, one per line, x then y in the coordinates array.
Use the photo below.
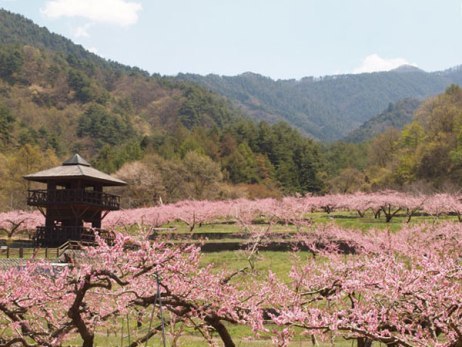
{"type": "Point", "coordinates": [88, 341]}
{"type": "Point", "coordinates": [364, 342]}
{"type": "Point", "coordinates": [457, 343]}
{"type": "Point", "coordinates": [221, 330]}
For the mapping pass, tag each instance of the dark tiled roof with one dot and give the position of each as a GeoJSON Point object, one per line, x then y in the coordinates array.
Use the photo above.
{"type": "Point", "coordinates": [76, 160]}
{"type": "Point", "coordinates": [75, 167]}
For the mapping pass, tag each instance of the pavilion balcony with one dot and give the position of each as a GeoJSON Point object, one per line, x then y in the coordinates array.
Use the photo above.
{"type": "Point", "coordinates": [46, 198]}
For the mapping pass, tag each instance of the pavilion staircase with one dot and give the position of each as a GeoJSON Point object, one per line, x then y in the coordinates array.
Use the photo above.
{"type": "Point", "coordinates": [87, 239]}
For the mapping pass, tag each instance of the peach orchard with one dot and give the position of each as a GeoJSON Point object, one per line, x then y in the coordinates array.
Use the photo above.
{"type": "Point", "coordinates": [399, 288]}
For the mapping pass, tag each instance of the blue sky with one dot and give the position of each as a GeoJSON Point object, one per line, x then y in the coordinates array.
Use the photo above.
{"type": "Point", "coordinates": [276, 38]}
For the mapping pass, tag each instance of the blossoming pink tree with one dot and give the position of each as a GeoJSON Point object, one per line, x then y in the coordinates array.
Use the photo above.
{"type": "Point", "coordinates": [109, 281]}
{"type": "Point", "coordinates": [15, 221]}
{"type": "Point", "coordinates": [406, 295]}
{"type": "Point", "coordinates": [401, 289]}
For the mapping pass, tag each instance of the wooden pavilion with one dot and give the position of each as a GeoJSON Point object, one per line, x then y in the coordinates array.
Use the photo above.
{"type": "Point", "coordinates": [73, 203]}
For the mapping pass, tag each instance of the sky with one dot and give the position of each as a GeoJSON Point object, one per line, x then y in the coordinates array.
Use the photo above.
{"type": "Point", "coordinates": [281, 39]}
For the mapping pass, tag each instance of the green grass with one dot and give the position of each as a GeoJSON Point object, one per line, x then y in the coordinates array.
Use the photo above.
{"type": "Point", "coordinates": [197, 341]}
{"type": "Point", "coordinates": [242, 336]}
{"type": "Point", "coordinates": [350, 220]}
{"type": "Point", "coordinates": [279, 263]}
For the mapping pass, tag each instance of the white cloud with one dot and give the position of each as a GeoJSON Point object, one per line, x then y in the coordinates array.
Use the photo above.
{"type": "Point", "coordinates": [374, 63]}
{"type": "Point", "coordinates": [82, 31]}
{"type": "Point", "coordinates": [118, 12]}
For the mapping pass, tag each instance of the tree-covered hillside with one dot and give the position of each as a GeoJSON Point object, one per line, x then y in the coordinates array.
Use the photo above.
{"type": "Point", "coordinates": [396, 116]}
{"type": "Point", "coordinates": [326, 108]}
{"type": "Point", "coordinates": [173, 139]}
{"type": "Point", "coordinates": [169, 139]}
{"type": "Point", "coordinates": [426, 155]}
{"type": "Point", "coordinates": [18, 30]}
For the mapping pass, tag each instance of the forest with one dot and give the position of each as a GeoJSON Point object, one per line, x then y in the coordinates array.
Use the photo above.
{"type": "Point", "coordinates": [423, 156]}
{"type": "Point", "coordinates": [172, 139]}
{"type": "Point", "coordinates": [181, 140]}
{"type": "Point", "coordinates": [327, 108]}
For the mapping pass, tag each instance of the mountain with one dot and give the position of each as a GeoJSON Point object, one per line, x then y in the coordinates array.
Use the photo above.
{"type": "Point", "coordinates": [56, 89]}
{"type": "Point", "coordinates": [171, 139]}
{"type": "Point", "coordinates": [18, 30]}
{"type": "Point", "coordinates": [425, 156]}
{"type": "Point", "coordinates": [326, 108]}
{"type": "Point", "coordinates": [407, 68]}
{"type": "Point", "coordinates": [396, 115]}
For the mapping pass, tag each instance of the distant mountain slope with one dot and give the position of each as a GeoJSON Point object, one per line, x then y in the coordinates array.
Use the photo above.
{"type": "Point", "coordinates": [18, 30]}
{"type": "Point", "coordinates": [395, 116]}
{"type": "Point", "coordinates": [59, 95]}
{"type": "Point", "coordinates": [170, 138]}
{"type": "Point", "coordinates": [326, 108]}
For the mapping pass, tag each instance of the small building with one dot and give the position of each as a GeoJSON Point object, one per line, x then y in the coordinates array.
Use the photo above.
{"type": "Point", "coordinates": [73, 202]}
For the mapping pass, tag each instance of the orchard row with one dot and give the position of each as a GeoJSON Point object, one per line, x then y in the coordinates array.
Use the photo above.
{"type": "Point", "coordinates": [401, 289]}
{"type": "Point", "coordinates": [288, 210]}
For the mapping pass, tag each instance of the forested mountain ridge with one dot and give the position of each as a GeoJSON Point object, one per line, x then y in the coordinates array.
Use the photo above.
{"type": "Point", "coordinates": [173, 139]}
{"type": "Point", "coordinates": [170, 139]}
{"type": "Point", "coordinates": [330, 107]}
{"type": "Point", "coordinates": [425, 156]}
{"type": "Point", "coordinates": [396, 116]}
{"type": "Point", "coordinates": [18, 30]}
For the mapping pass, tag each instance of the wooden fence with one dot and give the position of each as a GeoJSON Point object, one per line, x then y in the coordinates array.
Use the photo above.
{"type": "Point", "coordinates": [29, 253]}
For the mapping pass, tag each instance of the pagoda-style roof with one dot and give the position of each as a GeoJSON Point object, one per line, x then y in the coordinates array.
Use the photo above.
{"type": "Point", "coordinates": [76, 160]}
{"type": "Point", "coordinates": [74, 168]}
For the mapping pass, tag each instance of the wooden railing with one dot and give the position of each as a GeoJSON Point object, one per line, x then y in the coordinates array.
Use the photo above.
{"type": "Point", "coordinates": [58, 235]}
{"type": "Point", "coordinates": [7, 252]}
{"type": "Point", "coordinates": [73, 196]}
{"type": "Point", "coordinates": [71, 245]}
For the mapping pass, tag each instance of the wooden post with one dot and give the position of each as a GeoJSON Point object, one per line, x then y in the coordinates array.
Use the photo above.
{"type": "Point", "coordinates": [7, 252]}
{"type": "Point", "coordinates": [122, 333]}
{"type": "Point", "coordinates": [21, 252]}
{"type": "Point", "coordinates": [128, 329]}
{"type": "Point", "coordinates": [46, 252]}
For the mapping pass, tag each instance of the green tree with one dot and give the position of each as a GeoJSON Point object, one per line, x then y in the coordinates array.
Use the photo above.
{"type": "Point", "coordinates": [112, 158]}
{"type": "Point", "coordinates": [11, 61]}
{"type": "Point", "coordinates": [103, 127]}
{"type": "Point", "coordinates": [407, 157]}
{"type": "Point", "coordinates": [6, 125]}
{"type": "Point", "coordinates": [434, 162]}
{"type": "Point", "coordinates": [241, 165]}
{"type": "Point", "coordinates": [382, 149]}
{"type": "Point", "coordinates": [28, 159]}
{"type": "Point", "coordinates": [349, 180]}
{"type": "Point", "coordinates": [81, 84]}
